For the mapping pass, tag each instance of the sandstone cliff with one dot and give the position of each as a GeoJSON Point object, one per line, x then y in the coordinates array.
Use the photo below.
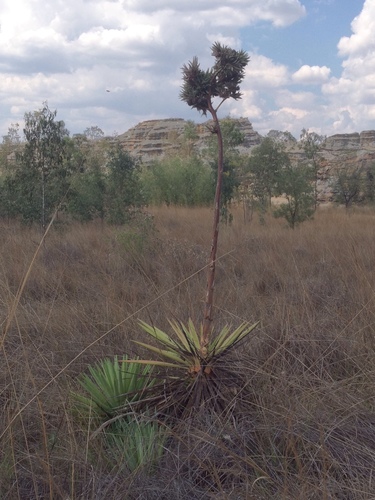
{"type": "Point", "coordinates": [153, 139]}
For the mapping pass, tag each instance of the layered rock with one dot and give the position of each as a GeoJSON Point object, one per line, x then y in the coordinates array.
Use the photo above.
{"type": "Point", "coordinates": [344, 152]}
{"type": "Point", "coordinates": [153, 139]}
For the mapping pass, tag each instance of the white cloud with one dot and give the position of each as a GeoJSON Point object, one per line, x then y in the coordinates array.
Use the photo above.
{"type": "Point", "coordinates": [362, 40]}
{"type": "Point", "coordinates": [311, 75]}
{"type": "Point", "coordinates": [263, 73]}
{"type": "Point", "coordinates": [285, 97]}
{"type": "Point", "coordinates": [353, 93]}
{"type": "Point", "coordinates": [69, 52]}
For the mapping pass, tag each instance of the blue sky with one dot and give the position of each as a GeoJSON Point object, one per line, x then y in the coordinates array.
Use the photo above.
{"type": "Point", "coordinates": [310, 40]}
{"type": "Point", "coordinates": [312, 61]}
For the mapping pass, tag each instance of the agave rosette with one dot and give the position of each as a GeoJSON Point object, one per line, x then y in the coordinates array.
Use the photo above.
{"type": "Point", "coordinates": [187, 350]}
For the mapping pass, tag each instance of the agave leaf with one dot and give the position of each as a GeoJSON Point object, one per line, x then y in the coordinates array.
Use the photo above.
{"type": "Point", "coordinates": [194, 334]}
{"type": "Point", "coordinates": [159, 335]}
{"type": "Point", "coordinates": [226, 342]}
{"type": "Point", "coordinates": [187, 335]}
{"type": "Point", "coordinates": [109, 386]}
{"type": "Point", "coordinates": [96, 394]}
{"type": "Point", "coordinates": [178, 329]}
{"type": "Point", "coordinates": [191, 332]}
{"type": "Point", "coordinates": [174, 356]}
{"type": "Point", "coordinates": [97, 398]}
{"type": "Point", "coordinates": [248, 329]}
{"type": "Point", "coordinates": [98, 383]}
{"type": "Point", "coordinates": [220, 337]}
{"type": "Point", "coordinates": [153, 363]}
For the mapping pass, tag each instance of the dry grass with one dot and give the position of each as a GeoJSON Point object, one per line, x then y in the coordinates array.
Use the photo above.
{"type": "Point", "coordinates": [308, 431]}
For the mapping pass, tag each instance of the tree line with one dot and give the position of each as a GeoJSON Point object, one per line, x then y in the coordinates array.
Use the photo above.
{"type": "Point", "coordinates": [88, 176]}
{"type": "Point", "coordinates": [84, 176]}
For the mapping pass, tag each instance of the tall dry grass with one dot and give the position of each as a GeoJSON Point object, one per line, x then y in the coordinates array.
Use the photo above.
{"type": "Point", "coordinates": [307, 430]}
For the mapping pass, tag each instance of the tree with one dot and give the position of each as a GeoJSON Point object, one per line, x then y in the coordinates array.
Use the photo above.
{"type": "Point", "coordinates": [123, 188]}
{"type": "Point", "coordinates": [369, 184]}
{"type": "Point", "coordinates": [42, 177]}
{"type": "Point", "coordinates": [86, 195]}
{"type": "Point", "coordinates": [265, 164]}
{"type": "Point", "coordinates": [232, 137]}
{"type": "Point", "coordinates": [348, 184]}
{"type": "Point", "coordinates": [189, 138]}
{"type": "Point", "coordinates": [93, 133]}
{"type": "Point", "coordinates": [295, 184]}
{"type": "Point", "coordinates": [312, 144]}
{"type": "Point", "coordinates": [199, 90]}
{"type": "Point", "coordinates": [282, 137]}
{"type": "Point", "coordinates": [87, 155]}
{"type": "Point", "coordinates": [10, 146]}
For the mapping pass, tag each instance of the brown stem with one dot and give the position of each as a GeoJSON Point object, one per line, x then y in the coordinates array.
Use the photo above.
{"type": "Point", "coordinates": [207, 318]}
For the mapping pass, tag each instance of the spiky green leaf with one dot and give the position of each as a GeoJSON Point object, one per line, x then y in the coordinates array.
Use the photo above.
{"type": "Point", "coordinates": [174, 356]}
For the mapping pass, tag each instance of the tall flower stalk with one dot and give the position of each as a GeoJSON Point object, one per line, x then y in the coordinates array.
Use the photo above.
{"type": "Point", "coordinates": [195, 352]}
{"type": "Point", "coordinates": [206, 90]}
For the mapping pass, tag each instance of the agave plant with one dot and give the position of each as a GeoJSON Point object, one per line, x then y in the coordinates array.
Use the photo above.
{"type": "Point", "coordinates": [111, 385]}
{"type": "Point", "coordinates": [113, 390]}
{"type": "Point", "coordinates": [199, 352]}
{"type": "Point", "coordinates": [203, 376]}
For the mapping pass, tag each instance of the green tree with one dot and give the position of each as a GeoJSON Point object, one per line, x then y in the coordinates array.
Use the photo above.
{"type": "Point", "coordinates": [123, 187]}
{"type": "Point", "coordinates": [190, 136]}
{"type": "Point", "coordinates": [93, 133]}
{"type": "Point", "coordinates": [232, 137]}
{"type": "Point", "coordinates": [312, 144]}
{"type": "Point", "coordinates": [42, 177]}
{"type": "Point", "coordinates": [200, 90]}
{"type": "Point", "coordinates": [10, 146]}
{"type": "Point", "coordinates": [348, 185]}
{"type": "Point", "coordinates": [369, 184]}
{"type": "Point", "coordinates": [295, 183]}
{"type": "Point", "coordinates": [264, 166]}
{"type": "Point", "coordinates": [282, 137]}
{"type": "Point", "coordinates": [86, 196]}
{"type": "Point", "coordinates": [88, 155]}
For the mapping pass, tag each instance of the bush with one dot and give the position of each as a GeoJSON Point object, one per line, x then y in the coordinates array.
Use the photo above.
{"type": "Point", "coordinates": [178, 181]}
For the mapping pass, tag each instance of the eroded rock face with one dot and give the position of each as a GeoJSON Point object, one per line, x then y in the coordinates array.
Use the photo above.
{"type": "Point", "coordinates": [153, 139]}
{"type": "Point", "coordinates": [344, 152]}
{"type": "Point", "coordinates": [367, 139]}
{"type": "Point", "coordinates": [343, 141]}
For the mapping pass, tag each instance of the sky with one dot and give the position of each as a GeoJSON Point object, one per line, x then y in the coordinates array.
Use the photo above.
{"type": "Point", "coordinates": [116, 63]}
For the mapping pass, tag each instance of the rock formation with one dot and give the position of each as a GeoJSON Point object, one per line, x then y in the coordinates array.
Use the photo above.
{"type": "Point", "coordinates": [153, 139]}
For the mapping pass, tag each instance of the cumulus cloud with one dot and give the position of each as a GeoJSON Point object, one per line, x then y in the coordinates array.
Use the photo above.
{"type": "Point", "coordinates": [311, 75]}
{"type": "Point", "coordinates": [69, 51]}
{"type": "Point", "coordinates": [353, 93]}
{"type": "Point", "coordinates": [363, 27]}
{"type": "Point", "coordinates": [263, 73]}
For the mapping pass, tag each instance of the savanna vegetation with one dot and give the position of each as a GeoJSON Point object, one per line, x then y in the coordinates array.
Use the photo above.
{"type": "Point", "coordinates": [265, 392]}
{"type": "Point", "coordinates": [304, 425]}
